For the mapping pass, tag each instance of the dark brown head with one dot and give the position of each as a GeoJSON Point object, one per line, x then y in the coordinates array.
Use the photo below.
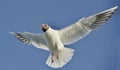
{"type": "Point", "coordinates": [44, 27]}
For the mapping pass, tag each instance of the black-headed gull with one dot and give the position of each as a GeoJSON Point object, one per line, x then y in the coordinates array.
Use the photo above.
{"type": "Point", "coordinates": [54, 40]}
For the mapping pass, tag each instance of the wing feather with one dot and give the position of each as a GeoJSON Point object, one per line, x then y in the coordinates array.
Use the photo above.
{"type": "Point", "coordinates": [37, 40]}
{"type": "Point", "coordinates": [84, 26]}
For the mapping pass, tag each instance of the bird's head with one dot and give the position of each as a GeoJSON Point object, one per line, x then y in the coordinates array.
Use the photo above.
{"type": "Point", "coordinates": [44, 27]}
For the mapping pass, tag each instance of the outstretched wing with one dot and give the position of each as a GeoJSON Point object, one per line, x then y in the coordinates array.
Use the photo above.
{"type": "Point", "coordinates": [84, 26]}
{"type": "Point", "coordinates": [37, 40]}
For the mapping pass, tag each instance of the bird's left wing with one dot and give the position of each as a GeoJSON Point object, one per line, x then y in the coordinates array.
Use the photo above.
{"type": "Point", "coordinates": [84, 26]}
{"type": "Point", "coordinates": [37, 40]}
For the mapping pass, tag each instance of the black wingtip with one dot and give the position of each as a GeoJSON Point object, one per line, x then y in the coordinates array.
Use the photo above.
{"type": "Point", "coordinates": [17, 34]}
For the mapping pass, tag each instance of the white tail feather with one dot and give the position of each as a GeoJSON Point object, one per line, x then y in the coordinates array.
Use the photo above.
{"type": "Point", "coordinates": [65, 55]}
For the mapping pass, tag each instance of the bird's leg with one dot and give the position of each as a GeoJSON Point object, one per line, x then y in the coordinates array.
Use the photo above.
{"type": "Point", "coordinates": [57, 54]}
{"type": "Point", "coordinates": [52, 58]}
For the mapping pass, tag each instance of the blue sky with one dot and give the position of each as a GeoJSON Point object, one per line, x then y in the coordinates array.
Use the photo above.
{"type": "Point", "coordinates": [100, 50]}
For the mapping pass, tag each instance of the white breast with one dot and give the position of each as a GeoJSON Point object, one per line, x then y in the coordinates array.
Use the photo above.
{"type": "Point", "coordinates": [53, 40]}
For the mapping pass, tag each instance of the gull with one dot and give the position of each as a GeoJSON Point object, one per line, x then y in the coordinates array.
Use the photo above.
{"type": "Point", "coordinates": [54, 40]}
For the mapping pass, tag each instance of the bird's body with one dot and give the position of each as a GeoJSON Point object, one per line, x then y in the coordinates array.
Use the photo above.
{"type": "Point", "coordinates": [54, 40]}
{"type": "Point", "coordinates": [58, 52]}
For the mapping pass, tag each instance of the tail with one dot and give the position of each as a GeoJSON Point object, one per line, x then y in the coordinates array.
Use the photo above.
{"type": "Point", "coordinates": [64, 56]}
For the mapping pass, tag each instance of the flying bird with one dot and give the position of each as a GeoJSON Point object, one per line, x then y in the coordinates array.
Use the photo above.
{"type": "Point", "coordinates": [54, 40]}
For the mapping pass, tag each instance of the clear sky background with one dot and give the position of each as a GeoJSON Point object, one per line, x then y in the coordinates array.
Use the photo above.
{"type": "Point", "coordinates": [100, 50]}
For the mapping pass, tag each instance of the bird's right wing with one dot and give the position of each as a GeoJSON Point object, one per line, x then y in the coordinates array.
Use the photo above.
{"type": "Point", "coordinates": [37, 40]}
